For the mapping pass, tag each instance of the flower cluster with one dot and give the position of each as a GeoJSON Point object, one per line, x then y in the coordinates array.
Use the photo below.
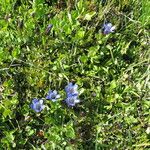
{"type": "Point", "coordinates": [72, 97]}
{"type": "Point", "coordinates": [72, 94]}
{"type": "Point", "coordinates": [71, 89]}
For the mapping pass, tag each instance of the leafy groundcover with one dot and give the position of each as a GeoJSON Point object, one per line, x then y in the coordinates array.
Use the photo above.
{"type": "Point", "coordinates": [74, 75]}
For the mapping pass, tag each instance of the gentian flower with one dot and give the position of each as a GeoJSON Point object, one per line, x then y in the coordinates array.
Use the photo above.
{"type": "Point", "coordinates": [71, 89]}
{"type": "Point", "coordinates": [72, 100]}
{"type": "Point", "coordinates": [48, 29]}
{"type": "Point", "coordinates": [52, 95]}
{"type": "Point", "coordinates": [108, 28]}
{"type": "Point", "coordinates": [72, 94]}
{"type": "Point", "coordinates": [37, 105]}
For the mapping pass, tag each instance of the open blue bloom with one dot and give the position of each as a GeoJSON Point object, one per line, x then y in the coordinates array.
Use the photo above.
{"type": "Point", "coordinates": [72, 100]}
{"type": "Point", "coordinates": [71, 89]}
{"type": "Point", "coordinates": [108, 28]}
{"type": "Point", "coordinates": [52, 95]}
{"type": "Point", "coordinates": [37, 105]}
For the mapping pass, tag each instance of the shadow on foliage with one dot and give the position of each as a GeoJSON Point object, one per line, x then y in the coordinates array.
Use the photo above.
{"type": "Point", "coordinates": [21, 86]}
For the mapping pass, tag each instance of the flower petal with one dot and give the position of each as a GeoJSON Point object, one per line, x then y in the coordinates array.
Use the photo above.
{"type": "Point", "coordinates": [58, 96]}
{"type": "Point", "coordinates": [55, 92]}
{"type": "Point", "coordinates": [41, 101]}
{"type": "Point", "coordinates": [34, 100]}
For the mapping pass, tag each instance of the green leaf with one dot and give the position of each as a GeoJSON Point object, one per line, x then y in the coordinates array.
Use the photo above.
{"type": "Point", "coordinates": [80, 34]}
{"type": "Point", "coordinates": [113, 85]}
{"type": "Point", "coordinates": [89, 16]}
{"type": "Point", "coordinates": [70, 132]}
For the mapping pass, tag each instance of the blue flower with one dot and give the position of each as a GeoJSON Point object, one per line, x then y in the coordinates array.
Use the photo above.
{"type": "Point", "coordinates": [48, 29]}
{"type": "Point", "coordinates": [108, 28]}
{"type": "Point", "coordinates": [71, 89]}
{"type": "Point", "coordinates": [37, 105]}
{"type": "Point", "coordinates": [72, 94]}
{"type": "Point", "coordinates": [72, 100]}
{"type": "Point", "coordinates": [52, 95]}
